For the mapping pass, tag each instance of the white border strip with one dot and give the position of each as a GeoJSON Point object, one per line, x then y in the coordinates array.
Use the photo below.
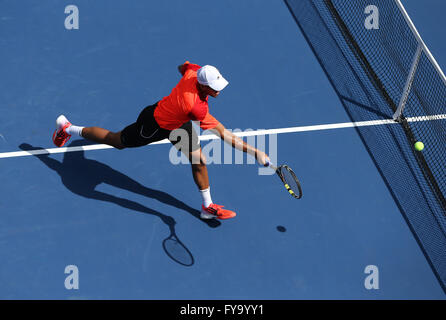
{"type": "Point", "coordinates": [239, 134]}
{"type": "Point", "coordinates": [420, 40]}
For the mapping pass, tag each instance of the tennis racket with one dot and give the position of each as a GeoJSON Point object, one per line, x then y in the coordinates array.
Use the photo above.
{"type": "Point", "coordinates": [289, 179]}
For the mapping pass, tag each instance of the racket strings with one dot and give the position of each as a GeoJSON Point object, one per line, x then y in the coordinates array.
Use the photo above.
{"type": "Point", "coordinates": [290, 181]}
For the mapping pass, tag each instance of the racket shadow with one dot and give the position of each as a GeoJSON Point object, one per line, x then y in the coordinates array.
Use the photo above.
{"type": "Point", "coordinates": [81, 176]}
{"type": "Point", "coordinates": [176, 249]}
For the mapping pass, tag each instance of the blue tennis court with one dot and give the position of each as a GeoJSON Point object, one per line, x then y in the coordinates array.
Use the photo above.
{"type": "Point", "coordinates": [108, 212]}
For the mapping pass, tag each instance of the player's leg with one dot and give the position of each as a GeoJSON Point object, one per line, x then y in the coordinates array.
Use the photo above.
{"type": "Point", "coordinates": [186, 140]}
{"type": "Point", "coordinates": [209, 210]}
{"type": "Point", "coordinates": [64, 130]}
{"type": "Point", "coordinates": [144, 131]}
{"type": "Point", "coordinates": [200, 175]}
{"type": "Point", "coordinates": [104, 136]}
{"type": "Point", "coordinates": [199, 169]}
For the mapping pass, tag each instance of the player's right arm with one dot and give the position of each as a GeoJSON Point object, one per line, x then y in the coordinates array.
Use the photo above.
{"type": "Point", "coordinates": [237, 143]}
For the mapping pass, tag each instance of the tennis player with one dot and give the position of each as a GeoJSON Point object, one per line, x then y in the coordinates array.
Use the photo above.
{"type": "Point", "coordinates": [171, 118]}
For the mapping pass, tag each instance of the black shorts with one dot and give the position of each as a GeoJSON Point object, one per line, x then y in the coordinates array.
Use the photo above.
{"type": "Point", "coordinates": [146, 130]}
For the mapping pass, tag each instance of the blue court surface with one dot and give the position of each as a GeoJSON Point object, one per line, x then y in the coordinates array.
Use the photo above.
{"type": "Point", "coordinates": [109, 212]}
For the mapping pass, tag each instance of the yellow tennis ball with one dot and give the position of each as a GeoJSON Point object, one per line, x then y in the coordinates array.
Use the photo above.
{"type": "Point", "coordinates": [419, 146]}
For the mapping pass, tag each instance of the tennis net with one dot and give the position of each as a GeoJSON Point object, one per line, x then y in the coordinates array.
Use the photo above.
{"type": "Point", "coordinates": [387, 72]}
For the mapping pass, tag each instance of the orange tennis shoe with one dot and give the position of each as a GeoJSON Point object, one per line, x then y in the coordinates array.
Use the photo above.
{"type": "Point", "coordinates": [60, 136]}
{"type": "Point", "coordinates": [216, 211]}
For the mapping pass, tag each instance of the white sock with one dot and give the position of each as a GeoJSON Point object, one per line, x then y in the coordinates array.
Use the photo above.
{"type": "Point", "coordinates": [74, 130]}
{"type": "Point", "coordinates": [206, 195]}
{"type": "Point", "coordinates": [71, 130]}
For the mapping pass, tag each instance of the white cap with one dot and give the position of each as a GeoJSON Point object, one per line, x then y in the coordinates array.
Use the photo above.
{"type": "Point", "coordinates": [210, 76]}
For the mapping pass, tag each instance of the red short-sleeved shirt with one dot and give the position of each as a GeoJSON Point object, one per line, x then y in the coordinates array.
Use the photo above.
{"type": "Point", "coordinates": [184, 103]}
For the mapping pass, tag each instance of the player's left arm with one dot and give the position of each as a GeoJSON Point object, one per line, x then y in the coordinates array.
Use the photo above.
{"type": "Point", "coordinates": [187, 66]}
{"type": "Point", "coordinates": [237, 143]}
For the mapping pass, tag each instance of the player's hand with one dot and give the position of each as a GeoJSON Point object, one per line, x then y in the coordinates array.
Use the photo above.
{"type": "Point", "coordinates": [262, 158]}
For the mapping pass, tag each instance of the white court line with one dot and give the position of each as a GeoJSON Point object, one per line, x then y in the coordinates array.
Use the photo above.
{"type": "Point", "coordinates": [239, 134]}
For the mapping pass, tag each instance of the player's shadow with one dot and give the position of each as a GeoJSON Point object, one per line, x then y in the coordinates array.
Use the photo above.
{"type": "Point", "coordinates": [81, 176]}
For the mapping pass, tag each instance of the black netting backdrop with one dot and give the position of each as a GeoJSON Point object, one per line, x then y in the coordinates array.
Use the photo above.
{"type": "Point", "coordinates": [369, 69]}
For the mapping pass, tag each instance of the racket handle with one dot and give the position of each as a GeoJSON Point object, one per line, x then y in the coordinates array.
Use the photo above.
{"type": "Point", "coordinates": [270, 164]}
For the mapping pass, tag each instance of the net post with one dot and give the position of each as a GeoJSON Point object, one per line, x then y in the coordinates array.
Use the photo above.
{"type": "Point", "coordinates": [397, 116]}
